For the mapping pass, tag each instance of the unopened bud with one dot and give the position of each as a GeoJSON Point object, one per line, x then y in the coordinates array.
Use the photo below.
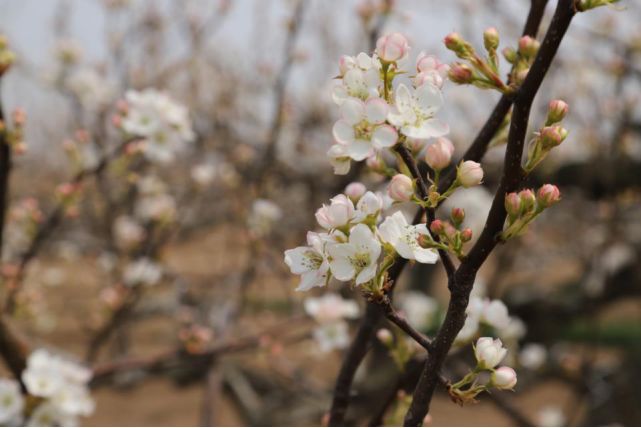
{"type": "Point", "coordinates": [552, 136]}
{"type": "Point", "coordinates": [557, 111]}
{"type": "Point", "coordinates": [457, 44]}
{"type": "Point", "coordinates": [528, 46]}
{"type": "Point", "coordinates": [460, 73]}
{"type": "Point", "coordinates": [503, 378]}
{"type": "Point", "coordinates": [392, 47]}
{"type": "Point", "coordinates": [437, 227]}
{"type": "Point", "coordinates": [375, 163]}
{"type": "Point", "coordinates": [470, 174]}
{"type": "Point", "coordinates": [513, 204]}
{"type": "Point", "coordinates": [548, 195]}
{"type": "Point", "coordinates": [528, 200]}
{"type": "Point", "coordinates": [491, 39]}
{"type": "Point", "coordinates": [439, 154]}
{"type": "Point", "coordinates": [401, 188]}
{"type": "Point", "coordinates": [510, 55]}
{"type": "Point", "coordinates": [355, 190]}
{"type": "Point", "coordinates": [458, 215]}
{"type": "Point", "coordinates": [385, 336]}
{"type": "Point", "coordinates": [466, 234]}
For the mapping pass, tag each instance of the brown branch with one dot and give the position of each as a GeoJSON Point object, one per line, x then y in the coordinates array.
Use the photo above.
{"type": "Point", "coordinates": [391, 314]}
{"type": "Point", "coordinates": [53, 220]}
{"type": "Point", "coordinates": [463, 280]}
{"type": "Point", "coordinates": [479, 146]}
{"type": "Point", "coordinates": [267, 160]}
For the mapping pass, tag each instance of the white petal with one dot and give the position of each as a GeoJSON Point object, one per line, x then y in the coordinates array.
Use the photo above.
{"type": "Point", "coordinates": [376, 110]}
{"type": "Point", "coordinates": [343, 132]}
{"type": "Point", "coordinates": [426, 255]}
{"type": "Point", "coordinates": [366, 274]}
{"type": "Point", "coordinates": [360, 150]}
{"type": "Point", "coordinates": [297, 260]}
{"type": "Point", "coordinates": [403, 99]}
{"type": "Point", "coordinates": [435, 128]}
{"type": "Point", "coordinates": [429, 98]}
{"type": "Point", "coordinates": [353, 111]}
{"type": "Point", "coordinates": [310, 280]}
{"type": "Point", "coordinates": [384, 136]}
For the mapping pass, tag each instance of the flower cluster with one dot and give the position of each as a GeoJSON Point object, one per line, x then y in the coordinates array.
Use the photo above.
{"type": "Point", "coordinates": [489, 353]}
{"type": "Point", "coordinates": [160, 121]}
{"type": "Point", "coordinates": [375, 115]}
{"type": "Point", "coordinates": [523, 207]}
{"type": "Point", "coordinates": [354, 242]}
{"type": "Point", "coordinates": [487, 316]}
{"type": "Point", "coordinates": [548, 137]}
{"type": "Point", "coordinates": [60, 389]}
{"type": "Point", "coordinates": [330, 312]}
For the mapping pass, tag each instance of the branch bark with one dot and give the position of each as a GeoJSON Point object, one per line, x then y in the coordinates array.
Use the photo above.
{"type": "Point", "coordinates": [513, 174]}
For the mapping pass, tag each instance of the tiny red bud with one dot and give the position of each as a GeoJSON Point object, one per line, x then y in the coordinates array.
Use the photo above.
{"type": "Point", "coordinates": [437, 227]}
{"type": "Point", "coordinates": [460, 73]}
{"type": "Point", "coordinates": [458, 215]}
{"type": "Point", "coordinates": [552, 136]}
{"type": "Point", "coordinates": [510, 55]}
{"type": "Point", "coordinates": [557, 111]}
{"type": "Point", "coordinates": [548, 195]}
{"type": "Point", "coordinates": [528, 200]}
{"type": "Point", "coordinates": [528, 46]}
{"type": "Point", "coordinates": [466, 235]}
{"type": "Point", "coordinates": [513, 204]}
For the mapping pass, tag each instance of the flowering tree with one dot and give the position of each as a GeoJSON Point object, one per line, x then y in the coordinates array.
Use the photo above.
{"type": "Point", "coordinates": [161, 147]}
{"type": "Point", "coordinates": [378, 117]}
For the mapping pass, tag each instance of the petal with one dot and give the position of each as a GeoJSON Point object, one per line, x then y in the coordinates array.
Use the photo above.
{"type": "Point", "coordinates": [297, 260]}
{"type": "Point", "coordinates": [389, 230]}
{"type": "Point", "coordinates": [403, 99]}
{"type": "Point", "coordinates": [384, 136]}
{"type": "Point", "coordinates": [310, 280]}
{"type": "Point", "coordinates": [429, 98]}
{"type": "Point", "coordinates": [342, 269]}
{"type": "Point", "coordinates": [343, 132]}
{"type": "Point", "coordinates": [360, 236]}
{"type": "Point", "coordinates": [353, 111]}
{"type": "Point", "coordinates": [376, 110]}
{"type": "Point", "coordinates": [339, 94]}
{"type": "Point", "coordinates": [366, 274]}
{"type": "Point", "coordinates": [426, 255]}
{"type": "Point", "coordinates": [360, 150]}
{"type": "Point", "coordinates": [435, 127]}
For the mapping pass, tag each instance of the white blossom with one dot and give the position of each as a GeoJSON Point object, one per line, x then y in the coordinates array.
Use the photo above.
{"type": "Point", "coordinates": [362, 129]}
{"type": "Point", "coordinates": [334, 335]}
{"type": "Point", "coordinates": [11, 402]}
{"type": "Point", "coordinates": [356, 259]}
{"type": "Point", "coordinates": [360, 78]}
{"type": "Point", "coordinates": [143, 271]}
{"type": "Point", "coordinates": [92, 90]}
{"type": "Point", "coordinates": [309, 262]}
{"type": "Point", "coordinates": [419, 309]}
{"type": "Point", "coordinates": [163, 123]}
{"type": "Point", "coordinates": [264, 214]}
{"type": "Point", "coordinates": [533, 356]}
{"type": "Point", "coordinates": [489, 352]}
{"type": "Point", "coordinates": [414, 110]}
{"type": "Point", "coordinates": [338, 213]}
{"type": "Point", "coordinates": [551, 416]}
{"type": "Point", "coordinates": [404, 237]}
{"type": "Point", "coordinates": [330, 307]}
{"type": "Point", "coordinates": [127, 232]}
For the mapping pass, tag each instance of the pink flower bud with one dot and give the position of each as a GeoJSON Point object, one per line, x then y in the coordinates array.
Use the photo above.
{"type": "Point", "coordinates": [460, 73]}
{"type": "Point", "coordinates": [19, 116]}
{"type": "Point", "coordinates": [385, 336]}
{"type": "Point", "coordinates": [513, 204]}
{"type": "Point", "coordinates": [392, 47]}
{"type": "Point", "coordinates": [491, 39]}
{"type": "Point", "coordinates": [375, 163]}
{"type": "Point", "coordinates": [466, 234]}
{"type": "Point", "coordinates": [355, 190]}
{"type": "Point", "coordinates": [503, 378]}
{"type": "Point", "coordinates": [528, 200]}
{"type": "Point", "coordinates": [428, 63]}
{"type": "Point", "coordinates": [430, 77]}
{"type": "Point", "coordinates": [528, 47]}
{"type": "Point", "coordinates": [552, 136]}
{"type": "Point", "coordinates": [557, 111]}
{"type": "Point", "coordinates": [456, 44]}
{"type": "Point", "coordinates": [548, 195]}
{"type": "Point", "coordinates": [437, 227]}
{"type": "Point", "coordinates": [470, 174]}
{"type": "Point", "coordinates": [401, 188]}
{"type": "Point", "coordinates": [458, 215]}
{"type": "Point", "coordinates": [439, 154]}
